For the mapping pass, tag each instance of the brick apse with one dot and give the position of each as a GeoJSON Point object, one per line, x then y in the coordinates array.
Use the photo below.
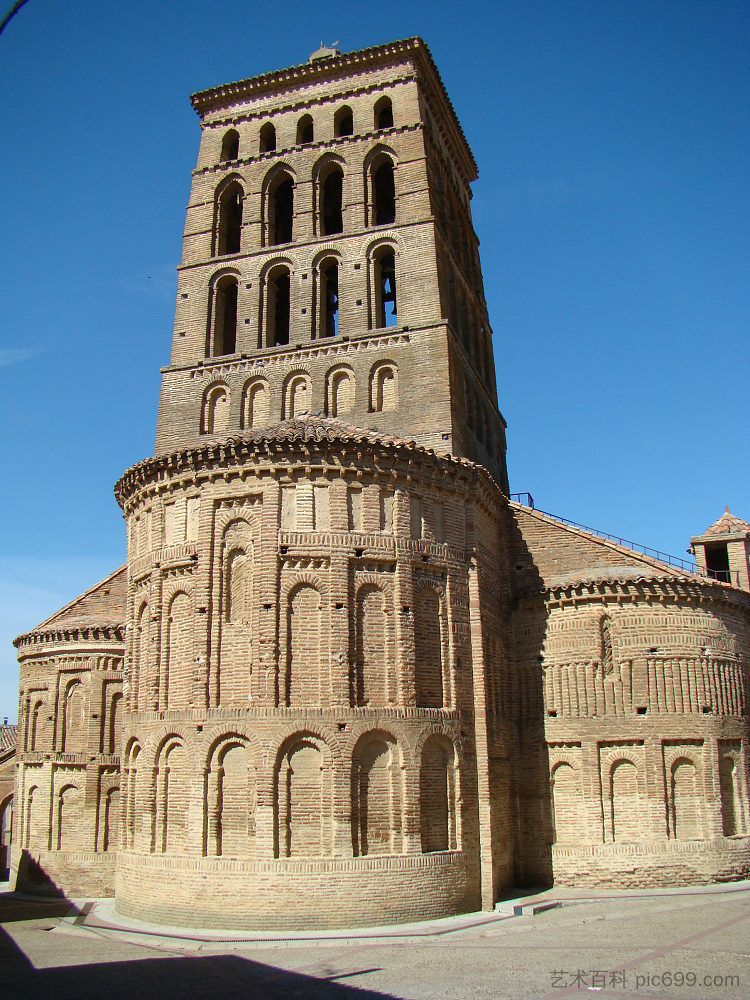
{"type": "Point", "coordinates": [344, 678]}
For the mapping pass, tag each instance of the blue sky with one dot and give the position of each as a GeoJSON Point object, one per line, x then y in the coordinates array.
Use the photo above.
{"type": "Point", "coordinates": [613, 210]}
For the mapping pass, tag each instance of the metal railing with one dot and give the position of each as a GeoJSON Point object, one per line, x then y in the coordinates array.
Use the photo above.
{"type": "Point", "coordinates": [686, 564]}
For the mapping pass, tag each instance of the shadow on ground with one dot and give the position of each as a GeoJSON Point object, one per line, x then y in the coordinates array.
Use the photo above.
{"type": "Point", "coordinates": [228, 977]}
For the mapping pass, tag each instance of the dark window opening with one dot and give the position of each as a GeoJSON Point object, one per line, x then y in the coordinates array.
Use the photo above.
{"type": "Point", "coordinates": [717, 562]}
{"type": "Point", "coordinates": [344, 122]}
{"type": "Point", "coordinates": [386, 291]}
{"type": "Point", "coordinates": [278, 308]}
{"type": "Point", "coordinates": [333, 187]}
{"type": "Point", "coordinates": [267, 138]}
{"type": "Point", "coordinates": [384, 195]}
{"type": "Point", "coordinates": [225, 317]}
{"type": "Point", "coordinates": [305, 130]}
{"type": "Point", "coordinates": [230, 221]}
{"type": "Point", "coordinates": [330, 296]}
{"type": "Point", "coordinates": [282, 212]}
{"type": "Point", "coordinates": [384, 113]}
{"type": "Point", "coordinates": [230, 146]}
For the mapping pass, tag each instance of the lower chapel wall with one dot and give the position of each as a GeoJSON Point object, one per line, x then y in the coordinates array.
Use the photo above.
{"type": "Point", "coordinates": [636, 727]}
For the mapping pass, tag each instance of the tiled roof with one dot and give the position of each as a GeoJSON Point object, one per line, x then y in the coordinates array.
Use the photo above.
{"type": "Point", "coordinates": [100, 605]}
{"type": "Point", "coordinates": [728, 524]}
{"type": "Point", "coordinates": [316, 427]}
{"type": "Point", "coordinates": [8, 736]}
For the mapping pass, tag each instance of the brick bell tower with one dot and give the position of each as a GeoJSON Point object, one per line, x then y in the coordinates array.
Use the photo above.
{"type": "Point", "coordinates": [315, 571]}
{"type": "Point", "coordinates": [329, 261]}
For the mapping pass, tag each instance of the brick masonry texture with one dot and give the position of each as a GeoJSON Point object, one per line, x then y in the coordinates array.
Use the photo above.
{"type": "Point", "coordinates": [343, 679]}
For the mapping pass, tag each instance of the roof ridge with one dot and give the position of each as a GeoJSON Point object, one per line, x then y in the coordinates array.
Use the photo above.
{"type": "Point", "coordinates": [78, 599]}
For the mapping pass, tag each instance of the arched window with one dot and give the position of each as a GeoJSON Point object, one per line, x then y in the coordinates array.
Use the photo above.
{"type": "Point", "coordinates": [731, 796]}
{"type": "Point", "coordinates": [328, 283]}
{"type": "Point", "coordinates": [343, 121]}
{"type": "Point", "coordinates": [685, 801]}
{"type": "Point", "coordinates": [428, 649]}
{"type": "Point", "coordinates": [216, 410]}
{"type": "Point", "coordinates": [6, 827]}
{"type": "Point", "coordinates": [177, 688]}
{"type": "Point", "coordinates": [305, 131]}
{"type": "Point", "coordinates": [566, 804]}
{"type": "Point", "coordinates": [382, 191]}
{"type": "Point", "coordinates": [331, 186]}
{"type": "Point", "coordinates": [373, 644]}
{"type": "Point", "coordinates": [69, 819]}
{"type": "Point", "coordinates": [384, 113]}
{"type": "Point", "coordinates": [74, 721]}
{"type": "Point", "coordinates": [223, 338]}
{"type": "Point", "coordinates": [377, 796]}
{"type": "Point", "coordinates": [303, 799]}
{"type": "Point", "coordinates": [255, 405]}
{"type": "Point", "coordinates": [383, 388]}
{"type": "Point", "coordinates": [340, 392]}
{"type": "Point", "coordinates": [32, 835]}
{"type": "Point", "coordinates": [280, 208]}
{"type": "Point", "coordinates": [173, 783]}
{"type": "Point", "coordinates": [303, 646]}
{"type": "Point", "coordinates": [267, 138]}
{"type": "Point", "coordinates": [34, 727]}
{"type": "Point", "coordinates": [111, 826]}
{"type": "Point", "coordinates": [297, 396]}
{"type": "Point", "coordinates": [231, 802]}
{"type": "Point", "coordinates": [115, 721]}
{"type": "Point", "coordinates": [438, 796]}
{"type": "Point", "coordinates": [141, 679]}
{"type": "Point", "coordinates": [229, 219]}
{"type": "Point", "coordinates": [278, 290]}
{"type": "Point", "coordinates": [132, 810]}
{"type": "Point", "coordinates": [384, 307]}
{"type": "Point", "coordinates": [626, 802]}
{"type": "Point", "coordinates": [230, 145]}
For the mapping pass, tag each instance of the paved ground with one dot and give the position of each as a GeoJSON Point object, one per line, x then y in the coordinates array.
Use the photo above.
{"type": "Point", "coordinates": [653, 946]}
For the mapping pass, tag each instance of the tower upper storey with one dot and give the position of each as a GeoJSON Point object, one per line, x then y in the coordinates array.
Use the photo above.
{"type": "Point", "coordinates": [329, 261]}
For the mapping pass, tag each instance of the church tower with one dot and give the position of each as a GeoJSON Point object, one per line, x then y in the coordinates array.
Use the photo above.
{"type": "Point", "coordinates": [329, 261]}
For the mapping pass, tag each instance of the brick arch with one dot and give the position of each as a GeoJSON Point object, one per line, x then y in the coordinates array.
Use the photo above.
{"type": "Point", "coordinates": [436, 729]}
{"type": "Point", "coordinates": [218, 735]}
{"type": "Point", "coordinates": [378, 794]}
{"type": "Point", "coordinates": [214, 412]}
{"type": "Point", "coordinates": [439, 793]}
{"type": "Point", "coordinates": [303, 796]}
{"type": "Point", "coordinates": [68, 819]}
{"type": "Point", "coordinates": [431, 653]}
{"type": "Point", "coordinates": [285, 735]}
{"type": "Point", "coordinates": [248, 420]}
{"type": "Point", "coordinates": [248, 511]}
{"type": "Point", "coordinates": [394, 730]}
{"type": "Point", "coordinates": [305, 578]}
{"type": "Point", "coordinates": [293, 403]}
{"type": "Point", "coordinates": [172, 788]}
{"type": "Point", "coordinates": [383, 387]}
{"type": "Point", "coordinates": [334, 405]}
{"type": "Point", "coordinates": [567, 802]}
{"type": "Point", "coordinates": [282, 260]}
{"type": "Point", "coordinates": [230, 797]}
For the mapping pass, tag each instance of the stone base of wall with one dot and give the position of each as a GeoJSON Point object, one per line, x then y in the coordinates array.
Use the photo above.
{"type": "Point", "coordinates": [64, 873]}
{"type": "Point", "coordinates": [644, 864]}
{"type": "Point", "coordinates": [288, 895]}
